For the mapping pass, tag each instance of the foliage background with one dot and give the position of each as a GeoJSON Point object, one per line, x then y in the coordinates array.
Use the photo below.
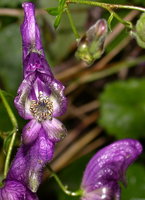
{"type": "Point", "coordinates": [106, 100]}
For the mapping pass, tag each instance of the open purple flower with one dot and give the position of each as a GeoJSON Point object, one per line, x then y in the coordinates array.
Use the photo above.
{"type": "Point", "coordinates": [40, 96]}
{"type": "Point", "coordinates": [107, 167]}
{"type": "Point", "coordinates": [15, 190]}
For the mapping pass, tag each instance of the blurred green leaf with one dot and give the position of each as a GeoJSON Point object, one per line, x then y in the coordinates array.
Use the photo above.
{"type": "Point", "coordinates": [10, 57]}
{"type": "Point", "coordinates": [123, 108]}
{"type": "Point", "coordinates": [135, 189]}
{"type": "Point", "coordinates": [53, 11]}
{"type": "Point", "coordinates": [11, 3]}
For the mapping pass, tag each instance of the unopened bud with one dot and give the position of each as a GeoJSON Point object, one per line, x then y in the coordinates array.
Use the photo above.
{"type": "Point", "coordinates": [91, 45]}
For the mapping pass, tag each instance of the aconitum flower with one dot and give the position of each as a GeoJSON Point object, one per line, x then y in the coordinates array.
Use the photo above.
{"type": "Point", "coordinates": [15, 190]}
{"type": "Point", "coordinates": [107, 167]}
{"type": "Point", "coordinates": [40, 96]}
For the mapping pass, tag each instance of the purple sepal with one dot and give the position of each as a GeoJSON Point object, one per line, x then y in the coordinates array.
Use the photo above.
{"type": "Point", "coordinates": [30, 31]}
{"type": "Point", "coordinates": [107, 167]}
{"type": "Point", "coordinates": [58, 98]}
{"type": "Point", "coordinates": [14, 190]}
{"type": "Point", "coordinates": [35, 62]}
{"type": "Point", "coordinates": [27, 167]}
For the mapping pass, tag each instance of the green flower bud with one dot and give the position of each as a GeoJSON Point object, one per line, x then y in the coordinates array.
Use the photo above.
{"type": "Point", "coordinates": [91, 45]}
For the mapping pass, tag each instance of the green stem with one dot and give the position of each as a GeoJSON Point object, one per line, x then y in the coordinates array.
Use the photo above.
{"type": "Point", "coordinates": [8, 156]}
{"type": "Point", "coordinates": [14, 131]}
{"type": "Point", "coordinates": [125, 22]}
{"type": "Point", "coordinates": [107, 5]}
{"type": "Point", "coordinates": [110, 8]}
{"type": "Point", "coordinates": [74, 29]}
{"type": "Point", "coordinates": [64, 188]}
{"type": "Point", "coordinates": [9, 111]}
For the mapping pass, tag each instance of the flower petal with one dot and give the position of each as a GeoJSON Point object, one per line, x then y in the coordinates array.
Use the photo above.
{"type": "Point", "coordinates": [54, 129]}
{"type": "Point", "coordinates": [109, 165]}
{"type": "Point", "coordinates": [30, 132]}
{"type": "Point", "coordinates": [58, 98]}
{"type": "Point", "coordinates": [14, 190]}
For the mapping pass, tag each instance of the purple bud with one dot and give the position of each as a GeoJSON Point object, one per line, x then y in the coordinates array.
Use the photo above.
{"type": "Point", "coordinates": [97, 31]}
{"type": "Point", "coordinates": [107, 167]}
{"type": "Point", "coordinates": [14, 190]}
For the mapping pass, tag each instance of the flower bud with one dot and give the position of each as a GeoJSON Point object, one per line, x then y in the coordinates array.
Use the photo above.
{"type": "Point", "coordinates": [91, 45]}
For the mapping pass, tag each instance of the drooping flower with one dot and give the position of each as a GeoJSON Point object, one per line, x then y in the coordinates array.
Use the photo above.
{"type": "Point", "coordinates": [30, 160]}
{"type": "Point", "coordinates": [15, 190]}
{"type": "Point", "coordinates": [107, 167]}
{"type": "Point", "coordinates": [40, 96]}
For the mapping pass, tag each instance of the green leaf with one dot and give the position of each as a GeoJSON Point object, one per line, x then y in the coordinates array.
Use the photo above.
{"type": "Point", "coordinates": [135, 189]}
{"type": "Point", "coordinates": [122, 107]}
{"type": "Point", "coordinates": [10, 57]}
{"type": "Point", "coordinates": [53, 11]}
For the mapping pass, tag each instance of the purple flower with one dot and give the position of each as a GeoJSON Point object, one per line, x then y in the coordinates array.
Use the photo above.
{"type": "Point", "coordinates": [40, 96]}
{"type": "Point", "coordinates": [30, 160]}
{"type": "Point", "coordinates": [107, 167]}
{"type": "Point", "coordinates": [14, 190]}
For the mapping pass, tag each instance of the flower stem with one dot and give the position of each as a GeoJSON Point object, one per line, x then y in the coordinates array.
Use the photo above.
{"type": "Point", "coordinates": [74, 29]}
{"type": "Point", "coordinates": [14, 131]}
{"type": "Point", "coordinates": [110, 8]}
{"type": "Point", "coordinates": [64, 188]}
{"type": "Point", "coordinates": [107, 5]}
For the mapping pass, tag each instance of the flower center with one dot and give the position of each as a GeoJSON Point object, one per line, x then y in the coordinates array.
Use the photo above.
{"type": "Point", "coordinates": [42, 108]}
